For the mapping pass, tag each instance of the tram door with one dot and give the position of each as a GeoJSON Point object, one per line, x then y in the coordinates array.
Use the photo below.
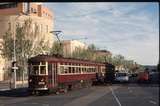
{"type": "Point", "coordinates": [54, 74]}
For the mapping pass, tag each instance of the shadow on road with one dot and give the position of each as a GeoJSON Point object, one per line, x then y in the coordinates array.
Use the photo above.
{"type": "Point", "coordinates": [20, 92]}
{"type": "Point", "coordinates": [137, 84]}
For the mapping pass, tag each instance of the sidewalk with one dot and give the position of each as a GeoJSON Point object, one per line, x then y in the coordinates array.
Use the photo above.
{"type": "Point", "coordinates": [5, 85]}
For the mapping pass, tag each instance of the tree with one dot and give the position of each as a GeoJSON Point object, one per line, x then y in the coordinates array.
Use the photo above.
{"type": "Point", "coordinates": [27, 43]}
{"type": "Point", "coordinates": [56, 49]}
{"type": "Point", "coordinates": [87, 54]}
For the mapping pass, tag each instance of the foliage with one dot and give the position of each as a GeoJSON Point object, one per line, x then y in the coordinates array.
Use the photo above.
{"type": "Point", "coordinates": [27, 43]}
{"type": "Point", "coordinates": [7, 44]}
{"type": "Point", "coordinates": [86, 54]}
{"type": "Point", "coordinates": [56, 49]}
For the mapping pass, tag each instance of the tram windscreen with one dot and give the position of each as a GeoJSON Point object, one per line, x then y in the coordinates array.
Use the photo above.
{"type": "Point", "coordinates": [34, 70]}
{"type": "Point", "coordinates": [38, 69]}
{"type": "Point", "coordinates": [42, 69]}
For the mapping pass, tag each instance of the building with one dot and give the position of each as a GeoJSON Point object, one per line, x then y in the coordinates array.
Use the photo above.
{"type": "Point", "coordinates": [103, 53]}
{"type": "Point", "coordinates": [12, 13]}
{"type": "Point", "coordinates": [69, 46]}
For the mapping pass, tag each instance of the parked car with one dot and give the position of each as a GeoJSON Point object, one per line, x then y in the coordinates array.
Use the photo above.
{"type": "Point", "coordinates": [154, 77]}
{"type": "Point", "coordinates": [121, 77]}
{"type": "Point", "coordinates": [143, 77]}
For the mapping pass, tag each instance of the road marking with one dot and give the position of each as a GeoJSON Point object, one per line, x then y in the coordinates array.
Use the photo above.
{"type": "Point", "coordinates": [115, 96]}
{"type": "Point", "coordinates": [153, 102]}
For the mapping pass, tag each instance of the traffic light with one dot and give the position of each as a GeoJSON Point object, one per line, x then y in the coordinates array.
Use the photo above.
{"type": "Point", "coordinates": [14, 64]}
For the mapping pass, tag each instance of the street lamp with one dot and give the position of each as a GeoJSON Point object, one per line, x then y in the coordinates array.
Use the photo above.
{"type": "Point", "coordinates": [14, 62]}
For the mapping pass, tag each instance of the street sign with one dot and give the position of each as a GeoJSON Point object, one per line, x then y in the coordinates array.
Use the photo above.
{"type": "Point", "coordinates": [15, 68]}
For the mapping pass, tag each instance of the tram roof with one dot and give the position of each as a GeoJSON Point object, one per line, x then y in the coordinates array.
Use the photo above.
{"type": "Point", "coordinates": [56, 58]}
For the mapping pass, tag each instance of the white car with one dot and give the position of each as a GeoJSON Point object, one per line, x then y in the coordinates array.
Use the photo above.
{"type": "Point", "coordinates": [121, 77]}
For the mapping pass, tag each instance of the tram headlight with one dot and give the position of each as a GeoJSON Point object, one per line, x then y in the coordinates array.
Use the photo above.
{"type": "Point", "coordinates": [45, 86]}
{"type": "Point", "coordinates": [42, 80]}
{"type": "Point", "coordinates": [30, 80]}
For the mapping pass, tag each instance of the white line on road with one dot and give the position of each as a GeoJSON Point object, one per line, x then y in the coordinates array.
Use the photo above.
{"type": "Point", "coordinates": [115, 96]}
{"type": "Point", "coordinates": [153, 102]}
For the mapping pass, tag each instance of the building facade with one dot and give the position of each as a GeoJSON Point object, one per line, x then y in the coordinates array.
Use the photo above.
{"type": "Point", "coordinates": [13, 13]}
{"type": "Point", "coordinates": [103, 53]}
{"type": "Point", "coordinates": [69, 46]}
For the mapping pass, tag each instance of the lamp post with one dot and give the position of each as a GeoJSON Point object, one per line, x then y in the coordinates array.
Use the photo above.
{"type": "Point", "coordinates": [14, 62]}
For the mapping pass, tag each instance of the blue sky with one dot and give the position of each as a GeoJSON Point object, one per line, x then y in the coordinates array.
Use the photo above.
{"type": "Point", "coordinates": [129, 29]}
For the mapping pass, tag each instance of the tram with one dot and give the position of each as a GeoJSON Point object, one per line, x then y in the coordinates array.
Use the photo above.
{"type": "Point", "coordinates": [51, 73]}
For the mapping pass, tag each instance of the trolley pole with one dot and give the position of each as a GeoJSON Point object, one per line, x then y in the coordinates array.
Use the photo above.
{"type": "Point", "coordinates": [56, 34]}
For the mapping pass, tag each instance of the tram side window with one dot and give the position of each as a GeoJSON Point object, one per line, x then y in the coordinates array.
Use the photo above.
{"type": "Point", "coordinates": [66, 70]}
{"type": "Point", "coordinates": [87, 70]}
{"type": "Point", "coordinates": [79, 69]}
{"type": "Point", "coordinates": [73, 69]}
{"type": "Point", "coordinates": [94, 69]}
{"type": "Point", "coordinates": [42, 69]}
{"type": "Point", "coordinates": [62, 70]}
{"type": "Point", "coordinates": [83, 70]}
{"type": "Point", "coordinates": [69, 70]}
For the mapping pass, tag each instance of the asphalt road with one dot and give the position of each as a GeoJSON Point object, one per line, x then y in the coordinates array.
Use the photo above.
{"type": "Point", "coordinates": [111, 95]}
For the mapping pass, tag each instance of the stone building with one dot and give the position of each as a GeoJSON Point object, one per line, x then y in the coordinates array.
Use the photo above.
{"type": "Point", "coordinates": [69, 46]}
{"type": "Point", "coordinates": [12, 13]}
{"type": "Point", "coordinates": [103, 53]}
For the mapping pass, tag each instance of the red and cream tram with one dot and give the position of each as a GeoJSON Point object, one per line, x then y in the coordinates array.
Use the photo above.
{"type": "Point", "coordinates": [47, 73]}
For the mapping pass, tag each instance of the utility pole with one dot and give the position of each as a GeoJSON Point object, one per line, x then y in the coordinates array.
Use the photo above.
{"type": "Point", "coordinates": [14, 62]}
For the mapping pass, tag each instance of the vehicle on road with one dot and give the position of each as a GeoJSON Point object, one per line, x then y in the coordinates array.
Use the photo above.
{"type": "Point", "coordinates": [51, 73]}
{"type": "Point", "coordinates": [121, 77]}
{"type": "Point", "coordinates": [154, 77]}
{"type": "Point", "coordinates": [143, 77]}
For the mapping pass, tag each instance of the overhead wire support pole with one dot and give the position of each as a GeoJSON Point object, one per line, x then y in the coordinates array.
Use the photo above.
{"type": "Point", "coordinates": [14, 63]}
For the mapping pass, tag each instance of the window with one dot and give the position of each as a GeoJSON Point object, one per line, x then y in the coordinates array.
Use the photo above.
{"type": "Point", "coordinates": [8, 5]}
{"type": "Point", "coordinates": [43, 63]}
{"type": "Point", "coordinates": [47, 28]}
{"type": "Point", "coordinates": [34, 70]}
{"type": "Point", "coordinates": [33, 26]}
{"type": "Point", "coordinates": [66, 70]}
{"type": "Point", "coordinates": [79, 69]}
{"type": "Point", "coordinates": [69, 69]}
{"type": "Point", "coordinates": [73, 69]}
{"type": "Point", "coordinates": [25, 7]}
{"type": "Point", "coordinates": [41, 28]}
{"type": "Point", "coordinates": [9, 28]}
{"type": "Point", "coordinates": [32, 10]}
{"type": "Point", "coordinates": [42, 69]}
{"type": "Point", "coordinates": [62, 71]}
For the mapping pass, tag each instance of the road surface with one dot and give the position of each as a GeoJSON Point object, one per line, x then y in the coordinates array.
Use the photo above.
{"type": "Point", "coordinates": [111, 95]}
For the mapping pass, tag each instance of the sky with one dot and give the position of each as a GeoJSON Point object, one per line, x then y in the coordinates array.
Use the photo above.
{"type": "Point", "coordinates": [129, 29]}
